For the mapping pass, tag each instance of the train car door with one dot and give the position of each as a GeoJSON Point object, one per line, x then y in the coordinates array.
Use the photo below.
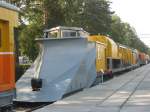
{"type": "Point", "coordinates": [101, 57]}
{"type": "Point", "coordinates": [1, 67]}
{"type": "Point", "coordinates": [6, 58]}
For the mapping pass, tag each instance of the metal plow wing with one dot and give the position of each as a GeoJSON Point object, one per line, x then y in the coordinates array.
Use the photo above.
{"type": "Point", "coordinates": [64, 65]}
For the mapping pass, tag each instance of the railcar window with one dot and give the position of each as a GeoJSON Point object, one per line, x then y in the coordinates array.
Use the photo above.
{"type": "Point", "coordinates": [69, 33]}
{"type": "Point", "coordinates": [99, 53]}
{"type": "Point", "coordinates": [72, 34]}
{"type": "Point", "coordinates": [83, 34]}
{"type": "Point", "coordinates": [53, 34]}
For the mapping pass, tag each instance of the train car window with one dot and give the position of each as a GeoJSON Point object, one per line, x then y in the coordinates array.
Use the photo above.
{"type": "Point", "coordinates": [53, 34]}
{"type": "Point", "coordinates": [45, 35]}
{"type": "Point", "coordinates": [99, 52]}
{"type": "Point", "coordinates": [69, 33]}
{"type": "Point", "coordinates": [83, 34]}
{"type": "Point", "coordinates": [72, 34]}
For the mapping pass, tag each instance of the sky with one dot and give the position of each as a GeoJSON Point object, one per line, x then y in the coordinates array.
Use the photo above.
{"type": "Point", "coordinates": [137, 14]}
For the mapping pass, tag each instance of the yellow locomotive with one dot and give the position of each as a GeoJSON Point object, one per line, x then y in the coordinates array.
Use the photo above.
{"type": "Point", "coordinates": [113, 57]}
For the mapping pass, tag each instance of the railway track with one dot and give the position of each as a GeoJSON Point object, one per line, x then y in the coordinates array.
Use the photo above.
{"type": "Point", "coordinates": [130, 80]}
{"type": "Point", "coordinates": [141, 80]}
{"type": "Point", "coordinates": [28, 107]}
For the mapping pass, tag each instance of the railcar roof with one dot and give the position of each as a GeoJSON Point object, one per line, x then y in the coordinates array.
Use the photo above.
{"type": "Point", "coordinates": [9, 6]}
{"type": "Point", "coordinates": [64, 27]}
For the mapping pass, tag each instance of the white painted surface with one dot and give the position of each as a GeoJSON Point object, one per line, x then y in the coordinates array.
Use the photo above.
{"type": "Point", "coordinates": [6, 53]}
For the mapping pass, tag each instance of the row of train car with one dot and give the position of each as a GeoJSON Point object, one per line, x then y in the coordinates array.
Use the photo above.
{"type": "Point", "coordinates": [69, 60]}
{"type": "Point", "coordinates": [114, 57]}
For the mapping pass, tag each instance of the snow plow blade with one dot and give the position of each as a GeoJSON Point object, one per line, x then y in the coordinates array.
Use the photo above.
{"type": "Point", "coordinates": [62, 66]}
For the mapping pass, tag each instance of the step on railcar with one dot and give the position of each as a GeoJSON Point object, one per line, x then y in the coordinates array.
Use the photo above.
{"type": "Point", "coordinates": [8, 22]}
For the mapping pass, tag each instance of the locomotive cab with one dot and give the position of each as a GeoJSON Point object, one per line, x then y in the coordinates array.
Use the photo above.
{"type": "Point", "coordinates": [65, 32]}
{"type": "Point", "coordinates": [59, 32]}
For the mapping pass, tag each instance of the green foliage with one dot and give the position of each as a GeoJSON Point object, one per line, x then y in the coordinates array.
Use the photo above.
{"type": "Point", "coordinates": [125, 34]}
{"type": "Point", "coordinates": [54, 15]}
{"type": "Point", "coordinates": [27, 40]}
{"type": "Point", "coordinates": [20, 70]}
{"type": "Point", "coordinates": [31, 20]}
{"type": "Point", "coordinates": [94, 16]}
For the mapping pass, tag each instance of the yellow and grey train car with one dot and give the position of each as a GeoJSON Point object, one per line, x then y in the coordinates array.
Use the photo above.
{"type": "Point", "coordinates": [69, 49]}
{"type": "Point", "coordinates": [8, 22]}
{"type": "Point", "coordinates": [110, 62]}
{"type": "Point", "coordinates": [128, 56]}
{"type": "Point", "coordinates": [113, 57]}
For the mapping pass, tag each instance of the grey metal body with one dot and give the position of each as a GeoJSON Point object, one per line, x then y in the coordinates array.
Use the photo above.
{"type": "Point", "coordinates": [64, 65]}
{"type": "Point", "coordinates": [6, 98]}
{"type": "Point", "coordinates": [9, 6]}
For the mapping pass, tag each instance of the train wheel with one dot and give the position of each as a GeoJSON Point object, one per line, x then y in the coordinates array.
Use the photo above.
{"type": "Point", "coordinates": [7, 109]}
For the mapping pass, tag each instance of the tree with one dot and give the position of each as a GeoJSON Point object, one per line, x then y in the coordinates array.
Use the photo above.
{"type": "Point", "coordinates": [27, 40]}
{"type": "Point", "coordinates": [92, 15]}
{"type": "Point", "coordinates": [31, 26]}
{"type": "Point", "coordinates": [54, 15]}
{"type": "Point", "coordinates": [125, 34]}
